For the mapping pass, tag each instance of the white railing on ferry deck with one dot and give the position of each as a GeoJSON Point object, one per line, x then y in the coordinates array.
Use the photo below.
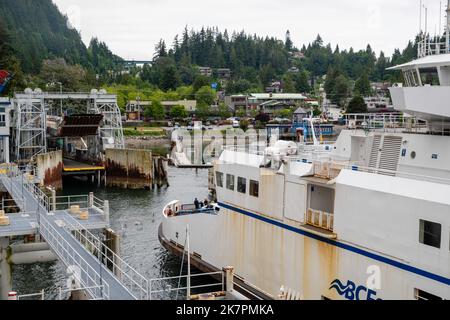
{"type": "Point", "coordinates": [320, 219]}
{"type": "Point", "coordinates": [330, 169]}
{"type": "Point", "coordinates": [428, 48]}
{"type": "Point", "coordinates": [157, 286]}
{"type": "Point", "coordinates": [383, 121]}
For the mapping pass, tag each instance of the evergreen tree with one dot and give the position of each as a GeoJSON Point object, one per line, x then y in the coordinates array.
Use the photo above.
{"type": "Point", "coordinates": [357, 105]}
{"type": "Point", "coordinates": [362, 86]}
{"type": "Point", "coordinates": [288, 44]}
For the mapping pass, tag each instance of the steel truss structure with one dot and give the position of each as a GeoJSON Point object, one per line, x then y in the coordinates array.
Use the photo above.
{"type": "Point", "coordinates": [29, 127]}
{"type": "Point", "coordinates": [30, 120]}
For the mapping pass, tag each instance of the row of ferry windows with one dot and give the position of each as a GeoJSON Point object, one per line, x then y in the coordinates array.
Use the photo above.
{"type": "Point", "coordinates": [241, 184]}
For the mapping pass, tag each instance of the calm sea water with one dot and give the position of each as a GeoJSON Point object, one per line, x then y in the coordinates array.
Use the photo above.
{"type": "Point", "coordinates": [136, 216]}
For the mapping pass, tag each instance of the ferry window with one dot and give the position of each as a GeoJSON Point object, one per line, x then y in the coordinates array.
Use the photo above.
{"type": "Point", "coordinates": [230, 182]}
{"type": "Point", "coordinates": [254, 188]}
{"type": "Point", "coordinates": [219, 179]}
{"type": "Point", "coordinates": [242, 185]}
{"type": "Point", "coordinates": [422, 295]}
{"type": "Point", "coordinates": [430, 233]}
{"type": "Point", "coordinates": [429, 76]}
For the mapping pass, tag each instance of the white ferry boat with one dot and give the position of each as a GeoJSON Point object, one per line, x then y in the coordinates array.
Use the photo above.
{"type": "Point", "coordinates": [369, 219]}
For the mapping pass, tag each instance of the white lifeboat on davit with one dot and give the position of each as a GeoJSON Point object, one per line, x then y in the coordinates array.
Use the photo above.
{"type": "Point", "coordinates": [175, 208]}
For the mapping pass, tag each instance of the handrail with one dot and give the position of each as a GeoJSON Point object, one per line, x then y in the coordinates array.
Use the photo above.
{"type": "Point", "coordinates": [356, 166]}
{"type": "Point", "coordinates": [165, 279]}
{"type": "Point", "coordinates": [119, 266]}
{"type": "Point", "coordinates": [135, 283]}
{"type": "Point", "coordinates": [72, 257]}
{"type": "Point", "coordinates": [40, 294]}
{"type": "Point", "coordinates": [400, 174]}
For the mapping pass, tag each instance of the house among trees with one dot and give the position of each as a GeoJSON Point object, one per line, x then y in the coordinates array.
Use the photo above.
{"type": "Point", "coordinates": [205, 71]}
{"type": "Point", "coordinates": [266, 102]}
{"type": "Point", "coordinates": [223, 73]}
{"type": "Point", "coordinates": [135, 108]}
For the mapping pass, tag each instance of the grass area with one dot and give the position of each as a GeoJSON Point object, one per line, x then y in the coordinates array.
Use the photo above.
{"type": "Point", "coordinates": [144, 131]}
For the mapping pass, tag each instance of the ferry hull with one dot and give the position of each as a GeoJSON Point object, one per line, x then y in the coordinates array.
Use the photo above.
{"type": "Point", "coordinates": [270, 254]}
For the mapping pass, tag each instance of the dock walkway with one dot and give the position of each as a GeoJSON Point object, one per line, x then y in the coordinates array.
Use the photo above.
{"type": "Point", "coordinates": [73, 243]}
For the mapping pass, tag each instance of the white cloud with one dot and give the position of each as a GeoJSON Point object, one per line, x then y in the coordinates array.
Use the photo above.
{"type": "Point", "coordinates": [132, 28]}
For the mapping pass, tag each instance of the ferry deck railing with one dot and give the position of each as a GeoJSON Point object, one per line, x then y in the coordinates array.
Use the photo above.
{"type": "Point", "coordinates": [159, 286]}
{"type": "Point", "coordinates": [320, 219]}
{"type": "Point", "coordinates": [427, 47]}
{"type": "Point", "coordinates": [384, 122]}
{"type": "Point", "coordinates": [328, 168]}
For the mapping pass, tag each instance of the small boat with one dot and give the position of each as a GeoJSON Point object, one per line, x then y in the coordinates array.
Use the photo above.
{"type": "Point", "coordinates": [175, 209]}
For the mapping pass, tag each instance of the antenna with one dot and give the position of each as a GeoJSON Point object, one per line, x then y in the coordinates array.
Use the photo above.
{"type": "Point", "coordinates": [447, 28]}
{"type": "Point", "coordinates": [420, 18]}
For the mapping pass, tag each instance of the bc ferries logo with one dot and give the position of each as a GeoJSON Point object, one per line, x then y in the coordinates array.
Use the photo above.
{"type": "Point", "coordinates": [352, 292]}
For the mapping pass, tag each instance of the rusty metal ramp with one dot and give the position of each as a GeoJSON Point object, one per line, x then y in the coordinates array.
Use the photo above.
{"type": "Point", "coordinates": [80, 125]}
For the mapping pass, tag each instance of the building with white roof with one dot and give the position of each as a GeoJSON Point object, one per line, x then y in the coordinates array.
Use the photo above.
{"type": "Point", "coordinates": [263, 101]}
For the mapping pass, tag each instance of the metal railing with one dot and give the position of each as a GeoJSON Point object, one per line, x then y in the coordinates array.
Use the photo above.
{"type": "Point", "coordinates": [62, 291]}
{"type": "Point", "coordinates": [330, 169]}
{"type": "Point", "coordinates": [134, 282]}
{"type": "Point", "coordinates": [87, 276]}
{"type": "Point", "coordinates": [320, 219]}
{"type": "Point", "coordinates": [426, 48]}
{"type": "Point", "coordinates": [65, 202]}
{"type": "Point", "coordinates": [131, 279]}
{"type": "Point", "coordinates": [400, 174]}
{"type": "Point", "coordinates": [40, 295]}
{"type": "Point", "coordinates": [158, 283]}
{"type": "Point", "coordinates": [383, 122]}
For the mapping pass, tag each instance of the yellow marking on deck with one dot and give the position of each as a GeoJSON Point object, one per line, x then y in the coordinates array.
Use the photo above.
{"type": "Point", "coordinates": [83, 169]}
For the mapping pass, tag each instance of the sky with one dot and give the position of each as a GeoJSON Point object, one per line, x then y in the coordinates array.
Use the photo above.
{"type": "Point", "coordinates": [132, 28]}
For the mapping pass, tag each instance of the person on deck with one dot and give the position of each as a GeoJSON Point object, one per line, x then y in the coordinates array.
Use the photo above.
{"type": "Point", "coordinates": [196, 203]}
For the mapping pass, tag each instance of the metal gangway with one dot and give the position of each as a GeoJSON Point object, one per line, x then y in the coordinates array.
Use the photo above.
{"type": "Point", "coordinates": [95, 266]}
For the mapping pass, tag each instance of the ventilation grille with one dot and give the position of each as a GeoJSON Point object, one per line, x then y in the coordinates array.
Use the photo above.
{"type": "Point", "coordinates": [390, 154]}
{"type": "Point", "coordinates": [374, 152]}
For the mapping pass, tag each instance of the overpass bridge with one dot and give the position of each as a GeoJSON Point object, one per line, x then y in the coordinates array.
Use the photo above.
{"type": "Point", "coordinates": [95, 266]}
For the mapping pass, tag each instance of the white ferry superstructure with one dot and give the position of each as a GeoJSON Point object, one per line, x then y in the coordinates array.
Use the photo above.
{"type": "Point", "coordinates": [368, 219]}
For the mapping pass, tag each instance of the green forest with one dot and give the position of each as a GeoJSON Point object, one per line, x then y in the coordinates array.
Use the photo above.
{"type": "Point", "coordinates": [39, 47]}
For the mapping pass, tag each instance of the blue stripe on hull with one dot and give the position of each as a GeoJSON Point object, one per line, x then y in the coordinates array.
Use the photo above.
{"type": "Point", "coordinates": [341, 245]}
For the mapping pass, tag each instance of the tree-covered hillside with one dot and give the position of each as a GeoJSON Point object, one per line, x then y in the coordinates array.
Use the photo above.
{"type": "Point", "coordinates": [38, 31]}
{"type": "Point", "coordinates": [41, 50]}
{"type": "Point", "coordinates": [257, 61]}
